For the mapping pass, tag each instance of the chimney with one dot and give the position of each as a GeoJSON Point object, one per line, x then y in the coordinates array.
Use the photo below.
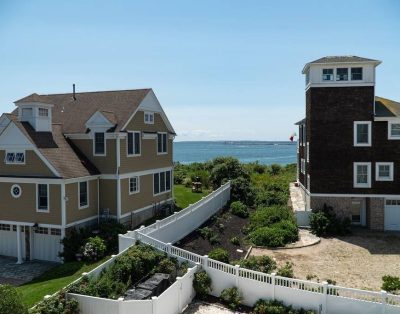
{"type": "Point", "coordinates": [73, 91]}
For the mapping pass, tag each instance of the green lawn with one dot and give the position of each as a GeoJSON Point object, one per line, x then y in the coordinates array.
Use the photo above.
{"type": "Point", "coordinates": [54, 280]}
{"type": "Point", "coordinates": [184, 196]}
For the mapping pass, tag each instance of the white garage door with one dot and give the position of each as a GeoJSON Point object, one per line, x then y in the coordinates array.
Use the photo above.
{"type": "Point", "coordinates": [46, 247]}
{"type": "Point", "coordinates": [392, 215]}
{"type": "Point", "coordinates": [8, 241]}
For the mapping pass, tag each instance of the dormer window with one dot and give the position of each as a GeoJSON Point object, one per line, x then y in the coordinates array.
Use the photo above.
{"type": "Point", "coordinates": [342, 74]}
{"type": "Point", "coordinates": [43, 112]}
{"type": "Point", "coordinates": [327, 74]}
{"type": "Point", "coordinates": [149, 117]}
{"type": "Point", "coordinates": [27, 112]}
{"type": "Point", "coordinates": [17, 158]}
{"type": "Point", "coordinates": [356, 74]}
{"type": "Point", "coordinates": [99, 144]}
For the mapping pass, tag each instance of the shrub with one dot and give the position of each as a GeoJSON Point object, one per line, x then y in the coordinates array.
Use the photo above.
{"type": "Point", "coordinates": [73, 243]}
{"type": "Point", "coordinates": [94, 249]}
{"type": "Point", "coordinates": [226, 168]}
{"type": "Point", "coordinates": [167, 266]}
{"type": "Point", "coordinates": [206, 233]}
{"type": "Point", "coordinates": [391, 284]}
{"type": "Point", "coordinates": [202, 284]}
{"type": "Point", "coordinates": [214, 240]}
{"type": "Point", "coordinates": [275, 169]}
{"type": "Point", "coordinates": [242, 190]}
{"type": "Point", "coordinates": [267, 216]}
{"type": "Point", "coordinates": [260, 169]}
{"type": "Point", "coordinates": [270, 197]}
{"type": "Point", "coordinates": [231, 297]}
{"type": "Point", "coordinates": [239, 209]}
{"type": "Point", "coordinates": [11, 301]}
{"type": "Point", "coordinates": [324, 222]}
{"type": "Point", "coordinates": [278, 234]}
{"type": "Point", "coordinates": [235, 240]}
{"type": "Point", "coordinates": [263, 264]}
{"type": "Point", "coordinates": [276, 307]}
{"type": "Point", "coordinates": [187, 182]}
{"type": "Point", "coordinates": [109, 231]}
{"type": "Point", "coordinates": [56, 305]}
{"type": "Point", "coordinates": [286, 270]}
{"type": "Point", "coordinates": [219, 254]}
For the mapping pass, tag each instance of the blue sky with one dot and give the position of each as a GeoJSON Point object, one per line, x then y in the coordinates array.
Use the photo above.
{"type": "Point", "coordinates": [221, 69]}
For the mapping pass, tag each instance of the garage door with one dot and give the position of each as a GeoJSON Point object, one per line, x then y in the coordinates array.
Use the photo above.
{"type": "Point", "coordinates": [8, 241]}
{"type": "Point", "coordinates": [46, 245]}
{"type": "Point", "coordinates": [392, 214]}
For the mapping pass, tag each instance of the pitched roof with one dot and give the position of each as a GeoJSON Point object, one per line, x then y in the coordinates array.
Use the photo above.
{"type": "Point", "coordinates": [340, 59]}
{"type": "Point", "coordinates": [386, 108]}
{"type": "Point", "coordinates": [116, 106]}
{"type": "Point", "coordinates": [59, 151]}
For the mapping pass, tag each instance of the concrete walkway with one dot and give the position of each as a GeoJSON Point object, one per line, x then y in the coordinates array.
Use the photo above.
{"type": "Point", "coordinates": [296, 198]}
{"type": "Point", "coordinates": [16, 275]}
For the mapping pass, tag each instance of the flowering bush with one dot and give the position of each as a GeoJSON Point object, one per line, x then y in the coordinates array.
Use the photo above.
{"type": "Point", "coordinates": [94, 249]}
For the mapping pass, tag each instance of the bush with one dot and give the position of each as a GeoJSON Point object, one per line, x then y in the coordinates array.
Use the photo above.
{"type": "Point", "coordinates": [267, 216]}
{"type": "Point", "coordinates": [94, 249]}
{"type": "Point", "coordinates": [324, 222]}
{"type": "Point", "coordinates": [286, 270]}
{"type": "Point", "coordinates": [202, 284]}
{"type": "Point", "coordinates": [206, 233]}
{"type": "Point", "coordinates": [276, 307]}
{"type": "Point", "coordinates": [263, 264]}
{"type": "Point", "coordinates": [242, 190]}
{"type": "Point", "coordinates": [269, 197]}
{"type": "Point", "coordinates": [187, 182]}
{"type": "Point", "coordinates": [11, 301]}
{"type": "Point", "coordinates": [275, 169]}
{"type": "Point", "coordinates": [219, 254]}
{"type": "Point", "coordinates": [225, 169]}
{"type": "Point", "coordinates": [109, 231]}
{"type": "Point", "coordinates": [214, 240]}
{"type": "Point", "coordinates": [73, 243]}
{"type": "Point", "coordinates": [239, 209]}
{"type": "Point", "coordinates": [391, 284]}
{"type": "Point", "coordinates": [277, 235]}
{"type": "Point", "coordinates": [235, 240]}
{"type": "Point", "coordinates": [231, 297]}
{"type": "Point", "coordinates": [56, 305]}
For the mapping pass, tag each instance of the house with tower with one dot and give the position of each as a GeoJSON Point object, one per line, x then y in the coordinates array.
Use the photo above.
{"type": "Point", "coordinates": [349, 143]}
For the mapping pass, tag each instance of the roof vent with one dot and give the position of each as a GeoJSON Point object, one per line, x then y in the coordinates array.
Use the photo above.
{"type": "Point", "coordinates": [73, 92]}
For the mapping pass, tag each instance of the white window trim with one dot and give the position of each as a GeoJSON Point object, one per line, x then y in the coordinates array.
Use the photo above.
{"type": "Point", "coordinates": [150, 114]}
{"type": "Point", "coordinates": [37, 199]}
{"type": "Point", "coordinates": [94, 144]}
{"type": "Point", "coordinates": [140, 144]}
{"type": "Point", "coordinates": [15, 152]}
{"type": "Point", "coordinates": [361, 185]}
{"type": "Point", "coordinates": [333, 75]}
{"type": "Point", "coordinates": [377, 177]}
{"type": "Point", "coordinates": [303, 166]}
{"type": "Point", "coordinates": [166, 144]}
{"type": "Point", "coordinates": [79, 194]}
{"type": "Point", "coordinates": [308, 151]}
{"type": "Point", "coordinates": [369, 123]}
{"type": "Point", "coordinates": [137, 185]}
{"type": "Point", "coordinates": [165, 178]}
{"type": "Point", "coordinates": [304, 130]}
{"type": "Point", "coordinates": [20, 190]}
{"type": "Point", "coordinates": [390, 136]}
{"type": "Point", "coordinates": [308, 183]}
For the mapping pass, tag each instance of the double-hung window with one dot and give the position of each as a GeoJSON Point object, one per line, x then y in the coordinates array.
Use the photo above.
{"type": "Point", "coordinates": [342, 74]}
{"type": "Point", "coordinates": [43, 112]}
{"type": "Point", "coordinates": [83, 194]}
{"type": "Point", "coordinates": [327, 74]}
{"type": "Point", "coordinates": [133, 143]}
{"type": "Point", "coordinates": [17, 158]}
{"type": "Point", "coordinates": [356, 74]}
{"type": "Point", "coordinates": [362, 133]}
{"type": "Point", "coordinates": [362, 174]}
{"type": "Point", "coordinates": [99, 144]}
{"type": "Point", "coordinates": [384, 171]}
{"type": "Point", "coordinates": [134, 185]}
{"type": "Point", "coordinates": [149, 117]}
{"type": "Point", "coordinates": [161, 143]}
{"type": "Point", "coordinates": [42, 198]}
{"type": "Point", "coordinates": [394, 130]}
{"type": "Point", "coordinates": [162, 182]}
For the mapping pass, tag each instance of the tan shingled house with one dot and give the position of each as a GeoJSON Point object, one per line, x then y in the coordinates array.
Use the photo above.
{"type": "Point", "coordinates": [66, 160]}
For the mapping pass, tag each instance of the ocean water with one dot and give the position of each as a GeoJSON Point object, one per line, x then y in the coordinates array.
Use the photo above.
{"type": "Point", "coordinates": [246, 151]}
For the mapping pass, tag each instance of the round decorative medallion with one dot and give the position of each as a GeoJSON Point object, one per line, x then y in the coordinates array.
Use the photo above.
{"type": "Point", "coordinates": [16, 191]}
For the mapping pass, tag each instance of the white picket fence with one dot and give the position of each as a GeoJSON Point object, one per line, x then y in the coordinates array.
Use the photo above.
{"type": "Point", "coordinates": [171, 301]}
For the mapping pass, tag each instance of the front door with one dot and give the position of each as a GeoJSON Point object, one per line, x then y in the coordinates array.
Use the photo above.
{"type": "Point", "coordinates": [358, 212]}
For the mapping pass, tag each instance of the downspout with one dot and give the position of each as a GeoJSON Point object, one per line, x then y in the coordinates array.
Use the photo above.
{"type": "Point", "coordinates": [118, 153]}
{"type": "Point", "coordinates": [63, 213]}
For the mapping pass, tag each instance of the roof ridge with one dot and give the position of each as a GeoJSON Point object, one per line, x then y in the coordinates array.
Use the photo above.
{"type": "Point", "coordinates": [93, 92]}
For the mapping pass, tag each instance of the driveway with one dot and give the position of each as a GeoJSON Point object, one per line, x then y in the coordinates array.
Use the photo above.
{"type": "Point", "coordinates": [355, 261]}
{"type": "Point", "coordinates": [16, 275]}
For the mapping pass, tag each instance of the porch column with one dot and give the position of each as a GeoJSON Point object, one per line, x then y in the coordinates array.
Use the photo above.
{"type": "Point", "coordinates": [19, 247]}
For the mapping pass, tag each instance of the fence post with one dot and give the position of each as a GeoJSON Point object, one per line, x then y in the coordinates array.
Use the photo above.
{"type": "Point", "coordinates": [273, 285]}
{"type": "Point", "coordinates": [324, 297]}
{"type": "Point", "coordinates": [169, 249]}
{"type": "Point", "coordinates": [205, 262]}
{"type": "Point", "coordinates": [237, 268]}
{"type": "Point", "coordinates": [158, 224]}
{"type": "Point", "coordinates": [384, 300]}
{"type": "Point", "coordinates": [175, 216]}
{"type": "Point", "coordinates": [120, 302]}
{"type": "Point", "coordinates": [179, 280]}
{"type": "Point", "coordinates": [154, 304]}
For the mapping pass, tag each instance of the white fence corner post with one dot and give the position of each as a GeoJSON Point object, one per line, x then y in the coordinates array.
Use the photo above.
{"type": "Point", "coordinates": [324, 297]}
{"type": "Point", "coordinates": [169, 249]}
{"type": "Point", "coordinates": [175, 216]}
{"type": "Point", "coordinates": [205, 262]}
{"type": "Point", "coordinates": [158, 224]}
{"type": "Point", "coordinates": [273, 285]}
{"type": "Point", "coordinates": [237, 268]}
{"type": "Point", "coordinates": [154, 304]}
{"type": "Point", "coordinates": [120, 302]}
{"type": "Point", "coordinates": [179, 280]}
{"type": "Point", "coordinates": [383, 300]}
